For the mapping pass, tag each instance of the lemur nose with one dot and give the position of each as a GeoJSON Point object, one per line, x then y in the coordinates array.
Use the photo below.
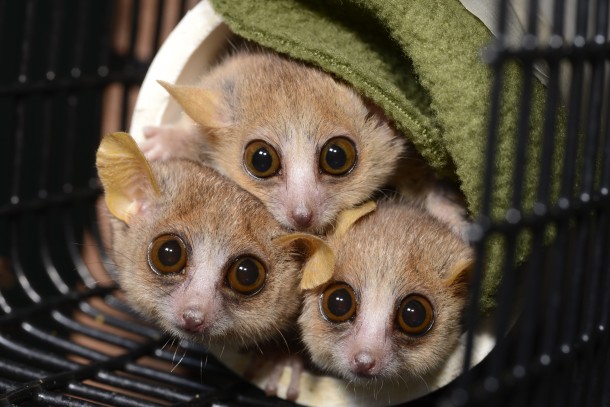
{"type": "Point", "coordinates": [192, 321]}
{"type": "Point", "coordinates": [364, 363]}
{"type": "Point", "coordinates": [302, 217]}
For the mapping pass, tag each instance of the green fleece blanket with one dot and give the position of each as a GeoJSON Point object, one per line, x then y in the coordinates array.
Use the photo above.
{"type": "Point", "coordinates": [421, 62]}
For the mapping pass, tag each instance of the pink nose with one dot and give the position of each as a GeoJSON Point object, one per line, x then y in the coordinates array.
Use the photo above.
{"type": "Point", "coordinates": [364, 364]}
{"type": "Point", "coordinates": [302, 218]}
{"type": "Point", "coordinates": [192, 321]}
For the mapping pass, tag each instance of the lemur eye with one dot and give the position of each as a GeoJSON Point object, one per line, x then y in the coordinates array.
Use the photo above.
{"type": "Point", "coordinates": [246, 275]}
{"type": "Point", "coordinates": [338, 156]}
{"type": "Point", "coordinates": [261, 160]}
{"type": "Point", "coordinates": [415, 315]}
{"type": "Point", "coordinates": [167, 254]}
{"type": "Point", "coordinates": [338, 303]}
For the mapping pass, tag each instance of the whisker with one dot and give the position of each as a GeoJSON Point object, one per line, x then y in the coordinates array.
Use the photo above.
{"type": "Point", "coordinates": [424, 382]}
{"type": "Point", "coordinates": [168, 339]}
{"type": "Point", "coordinates": [284, 339]}
{"type": "Point", "coordinates": [380, 387]}
{"type": "Point", "coordinates": [175, 351]}
{"type": "Point", "coordinates": [178, 364]}
{"type": "Point", "coordinates": [201, 367]}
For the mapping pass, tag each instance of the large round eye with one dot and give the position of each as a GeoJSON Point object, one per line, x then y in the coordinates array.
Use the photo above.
{"type": "Point", "coordinates": [261, 159]}
{"type": "Point", "coordinates": [246, 275]}
{"type": "Point", "coordinates": [415, 315]}
{"type": "Point", "coordinates": [338, 302]}
{"type": "Point", "coordinates": [338, 156]}
{"type": "Point", "coordinates": [167, 254]}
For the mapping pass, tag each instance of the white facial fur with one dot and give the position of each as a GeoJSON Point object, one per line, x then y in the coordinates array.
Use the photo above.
{"type": "Point", "coordinates": [296, 109]}
{"type": "Point", "coordinates": [218, 222]}
{"type": "Point", "coordinates": [386, 256]}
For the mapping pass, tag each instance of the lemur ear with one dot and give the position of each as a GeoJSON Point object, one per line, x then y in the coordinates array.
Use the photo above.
{"type": "Point", "coordinates": [319, 265]}
{"type": "Point", "coordinates": [129, 184]}
{"type": "Point", "coordinates": [206, 107]}
{"type": "Point", "coordinates": [459, 274]}
{"type": "Point", "coordinates": [350, 216]}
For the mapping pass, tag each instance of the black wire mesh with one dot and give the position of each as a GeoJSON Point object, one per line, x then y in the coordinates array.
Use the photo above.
{"type": "Point", "coordinates": [557, 351]}
{"type": "Point", "coordinates": [66, 339]}
{"type": "Point", "coordinates": [70, 72]}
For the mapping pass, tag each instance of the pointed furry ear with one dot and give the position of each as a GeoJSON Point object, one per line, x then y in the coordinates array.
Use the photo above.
{"type": "Point", "coordinates": [320, 264]}
{"type": "Point", "coordinates": [207, 108]}
{"type": "Point", "coordinates": [376, 113]}
{"type": "Point", "coordinates": [128, 181]}
{"type": "Point", "coordinates": [350, 216]}
{"type": "Point", "coordinates": [459, 275]}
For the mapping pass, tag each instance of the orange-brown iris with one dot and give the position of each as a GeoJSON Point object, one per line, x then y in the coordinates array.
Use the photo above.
{"type": "Point", "coordinates": [338, 302]}
{"type": "Point", "coordinates": [338, 156]}
{"type": "Point", "coordinates": [167, 254]}
{"type": "Point", "coordinates": [246, 275]}
{"type": "Point", "coordinates": [415, 315]}
{"type": "Point", "coordinates": [261, 159]}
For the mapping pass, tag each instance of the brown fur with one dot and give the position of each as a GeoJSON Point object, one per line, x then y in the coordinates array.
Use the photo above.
{"type": "Point", "coordinates": [296, 109]}
{"type": "Point", "coordinates": [390, 253]}
{"type": "Point", "coordinates": [219, 222]}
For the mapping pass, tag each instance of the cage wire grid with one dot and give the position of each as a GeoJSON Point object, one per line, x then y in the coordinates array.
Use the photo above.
{"type": "Point", "coordinates": [70, 73]}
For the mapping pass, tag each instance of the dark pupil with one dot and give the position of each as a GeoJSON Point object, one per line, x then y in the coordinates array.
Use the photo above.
{"type": "Point", "coordinates": [247, 272]}
{"type": "Point", "coordinates": [414, 314]}
{"type": "Point", "coordinates": [340, 302]}
{"type": "Point", "coordinates": [262, 160]}
{"type": "Point", "coordinates": [335, 157]}
{"type": "Point", "coordinates": [170, 253]}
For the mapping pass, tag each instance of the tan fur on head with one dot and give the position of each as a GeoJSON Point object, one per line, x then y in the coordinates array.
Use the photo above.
{"type": "Point", "coordinates": [392, 252]}
{"type": "Point", "coordinates": [219, 223]}
{"type": "Point", "coordinates": [296, 109]}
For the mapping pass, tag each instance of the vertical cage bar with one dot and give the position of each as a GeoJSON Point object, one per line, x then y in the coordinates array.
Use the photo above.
{"type": "Point", "coordinates": [574, 108]}
{"type": "Point", "coordinates": [593, 127]}
{"type": "Point", "coordinates": [525, 105]}
{"type": "Point", "coordinates": [24, 63]}
{"type": "Point", "coordinates": [509, 282]}
{"type": "Point", "coordinates": [133, 36]}
{"type": "Point", "coordinates": [17, 264]}
{"type": "Point", "coordinates": [47, 162]}
{"type": "Point", "coordinates": [597, 245]}
{"type": "Point", "coordinates": [20, 138]}
{"type": "Point", "coordinates": [460, 395]}
{"type": "Point", "coordinates": [582, 226]}
{"type": "Point", "coordinates": [2, 15]}
{"type": "Point", "coordinates": [535, 274]}
{"type": "Point", "coordinates": [183, 7]}
{"type": "Point", "coordinates": [73, 106]}
{"type": "Point", "coordinates": [605, 178]}
{"type": "Point", "coordinates": [502, 316]}
{"type": "Point", "coordinates": [106, 42]}
{"type": "Point", "coordinates": [49, 101]}
{"type": "Point", "coordinates": [73, 98]}
{"type": "Point", "coordinates": [550, 118]}
{"type": "Point", "coordinates": [557, 266]}
{"type": "Point", "coordinates": [20, 102]}
{"type": "Point", "coordinates": [158, 24]}
{"type": "Point", "coordinates": [604, 317]}
{"type": "Point", "coordinates": [45, 253]}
